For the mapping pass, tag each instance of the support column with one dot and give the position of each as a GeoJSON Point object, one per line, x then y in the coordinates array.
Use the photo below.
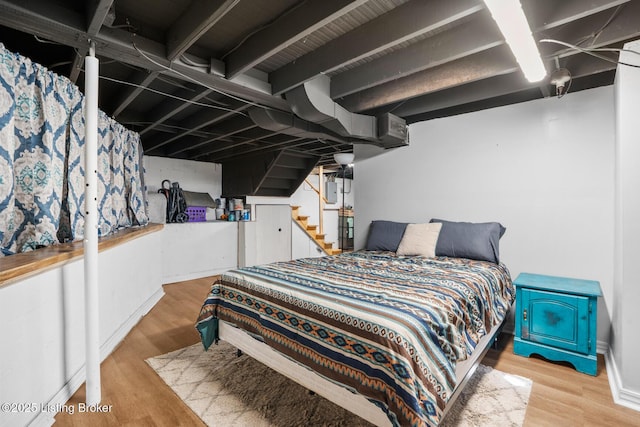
{"type": "Point", "coordinates": [92, 332]}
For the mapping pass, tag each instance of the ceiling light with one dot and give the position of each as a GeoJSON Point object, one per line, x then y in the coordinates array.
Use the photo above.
{"type": "Point", "coordinates": [510, 18]}
{"type": "Point", "coordinates": [343, 158]}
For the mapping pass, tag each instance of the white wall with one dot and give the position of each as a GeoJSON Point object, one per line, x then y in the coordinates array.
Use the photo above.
{"type": "Point", "coordinates": [625, 343]}
{"type": "Point", "coordinates": [42, 323]}
{"type": "Point", "coordinates": [544, 169]}
{"type": "Point", "coordinates": [198, 249]}
{"type": "Point", "coordinates": [202, 177]}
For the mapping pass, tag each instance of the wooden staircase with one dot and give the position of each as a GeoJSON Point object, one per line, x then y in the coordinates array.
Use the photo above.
{"type": "Point", "coordinates": [312, 231]}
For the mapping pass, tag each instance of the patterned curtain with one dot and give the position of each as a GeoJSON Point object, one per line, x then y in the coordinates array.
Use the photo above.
{"type": "Point", "coordinates": [42, 161]}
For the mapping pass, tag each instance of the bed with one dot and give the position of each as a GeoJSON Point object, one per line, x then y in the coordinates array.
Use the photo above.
{"type": "Point", "coordinates": [390, 337]}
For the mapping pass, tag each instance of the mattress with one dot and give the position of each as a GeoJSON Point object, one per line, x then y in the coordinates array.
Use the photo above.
{"type": "Point", "coordinates": [388, 327]}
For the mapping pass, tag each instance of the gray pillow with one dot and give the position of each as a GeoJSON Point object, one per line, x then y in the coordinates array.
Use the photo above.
{"type": "Point", "coordinates": [385, 235]}
{"type": "Point", "coordinates": [479, 241]}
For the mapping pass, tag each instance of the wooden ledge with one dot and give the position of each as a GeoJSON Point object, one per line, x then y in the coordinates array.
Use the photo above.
{"type": "Point", "coordinates": [20, 266]}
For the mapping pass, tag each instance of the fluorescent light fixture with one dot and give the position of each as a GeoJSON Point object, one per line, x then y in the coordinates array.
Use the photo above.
{"type": "Point", "coordinates": [343, 159]}
{"type": "Point", "coordinates": [510, 18]}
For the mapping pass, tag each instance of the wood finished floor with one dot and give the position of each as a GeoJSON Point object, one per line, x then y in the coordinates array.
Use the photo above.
{"type": "Point", "coordinates": [138, 397]}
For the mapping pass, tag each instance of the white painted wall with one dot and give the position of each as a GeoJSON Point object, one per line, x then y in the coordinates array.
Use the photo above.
{"type": "Point", "coordinates": [202, 177]}
{"type": "Point", "coordinates": [544, 169]}
{"type": "Point", "coordinates": [625, 343]}
{"type": "Point", "coordinates": [198, 249]}
{"type": "Point", "coordinates": [42, 323]}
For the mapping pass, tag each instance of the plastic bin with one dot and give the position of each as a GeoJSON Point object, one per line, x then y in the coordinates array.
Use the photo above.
{"type": "Point", "coordinates": [197, 213]}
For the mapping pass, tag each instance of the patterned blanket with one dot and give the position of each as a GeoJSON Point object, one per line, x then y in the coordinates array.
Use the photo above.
{"type": "Point", "coordinates": [388, 327]}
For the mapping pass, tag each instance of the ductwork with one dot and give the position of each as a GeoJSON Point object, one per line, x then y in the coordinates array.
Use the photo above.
{"type": "Point", "coordinates": [311, 101]}
{"type": "Point", "coordinates": [289, 124]}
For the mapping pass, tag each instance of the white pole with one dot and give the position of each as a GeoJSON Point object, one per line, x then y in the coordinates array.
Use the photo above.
{"type": "Point", "coordinates": [92, 335]}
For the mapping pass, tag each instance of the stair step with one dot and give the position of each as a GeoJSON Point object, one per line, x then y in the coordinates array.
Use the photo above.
{"type": "Point", "coordinates": [302, 220]}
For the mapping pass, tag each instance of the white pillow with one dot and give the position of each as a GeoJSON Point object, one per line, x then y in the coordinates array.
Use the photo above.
{"type": "Point", "coordinates": [420, 239]}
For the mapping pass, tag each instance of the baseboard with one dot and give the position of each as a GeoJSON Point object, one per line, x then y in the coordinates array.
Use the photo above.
{"type": "Point", "coordinates": [196, 275]}
{"type": "Point", "coordinates": [46, 419]}
{"type": "Point", "coordinates": [627, 398]}
{"type": "Point", "coordinates": [602, 347]}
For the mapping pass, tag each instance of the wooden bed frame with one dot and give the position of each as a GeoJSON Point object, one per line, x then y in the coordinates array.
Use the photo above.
{"type": "Point", "coordinates": [341, 396]}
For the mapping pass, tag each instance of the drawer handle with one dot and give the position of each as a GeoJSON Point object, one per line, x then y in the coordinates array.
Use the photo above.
{"type": "Point", "coordinates": [524, 315]}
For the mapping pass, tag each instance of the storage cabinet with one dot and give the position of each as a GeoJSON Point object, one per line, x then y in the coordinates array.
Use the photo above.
{"type": "Point", "coordinates": [556, 317]}
{"type": "Point", "coordinates": [267, 238]}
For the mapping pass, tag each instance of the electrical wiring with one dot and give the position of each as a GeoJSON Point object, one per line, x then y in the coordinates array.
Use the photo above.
{"type": "Point", "coordinates": [237, 98]}
{"type": "Point", "coordinates": [46, 41]}
{"type": "Point", "coordinates": [173, 96]}
{"type": "Point", "coordinates": [592, 51]}
{"type": "Point", "coordinates": [262, 27]}
{"type": "Point", "coordinates": [186, 60]}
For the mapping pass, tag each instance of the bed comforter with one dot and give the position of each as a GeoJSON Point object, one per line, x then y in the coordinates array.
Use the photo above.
{"type": "Point", "coordinates": [388, 327]}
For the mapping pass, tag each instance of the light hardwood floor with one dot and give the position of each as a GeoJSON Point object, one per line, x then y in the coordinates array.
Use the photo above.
{"type": "Point", "coordinates": [138, 397]}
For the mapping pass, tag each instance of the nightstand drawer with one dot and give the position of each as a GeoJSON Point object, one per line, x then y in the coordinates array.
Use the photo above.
{"type": "Point", "coordinates": [556, 319]}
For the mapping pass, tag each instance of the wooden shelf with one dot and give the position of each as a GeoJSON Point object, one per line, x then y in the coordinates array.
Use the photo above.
{"type": "Point", "coordinates": [20, 266]}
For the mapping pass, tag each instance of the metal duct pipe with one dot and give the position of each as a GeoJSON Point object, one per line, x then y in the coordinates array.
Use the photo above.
{"type": "Point", "coordinates": [312, 101]}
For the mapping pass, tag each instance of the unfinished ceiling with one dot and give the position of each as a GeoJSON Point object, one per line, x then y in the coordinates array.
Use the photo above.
{"type": "Point", "coordinates": [223, 80]}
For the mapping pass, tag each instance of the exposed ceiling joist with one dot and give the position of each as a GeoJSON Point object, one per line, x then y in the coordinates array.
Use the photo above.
{"type": "Point", "coordinates": [409, 20]}
{"type": "Point", "coordinates": [171, 107]}
{"type": "Point", "coordinates": [547, 14]}
{"type": "Point", "coordinates": [495, 61]}
{"type": "Point", "coordinates": [595, 31]}
{"type": "Point", "coordinates": [203, 119]}
{"type": "Point", "coordinates": [488, 88]}
{"type": "Point", "coordinates": [419, 59]}
{"type": "Point", "coordinates": [57, 23]}
{"type": "Point", "coordinates": [141, 79]}
{"type": "Point", "coordinates": [441, 48]}
{"type": "Point", "coordinates": [288, 29]}
{"type": "Point", "coordinates": [194, 22]}
{"type": "Point", "coordinates": [97, 11]}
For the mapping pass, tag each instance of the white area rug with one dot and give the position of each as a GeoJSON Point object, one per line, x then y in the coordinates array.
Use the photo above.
{"type": "Point", "coordinates": [226, 390]}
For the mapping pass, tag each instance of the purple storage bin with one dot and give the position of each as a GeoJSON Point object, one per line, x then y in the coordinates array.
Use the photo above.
{"type": "Point", "coordinates": [197, 213]}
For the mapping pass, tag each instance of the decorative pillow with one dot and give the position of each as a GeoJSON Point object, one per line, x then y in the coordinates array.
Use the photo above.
{"type": "Point", "coordinates": [479, 241]}
{"type": "Point", "coordinates": [420, 239]}
{"type": "Point", "coordinates": [385, 235]}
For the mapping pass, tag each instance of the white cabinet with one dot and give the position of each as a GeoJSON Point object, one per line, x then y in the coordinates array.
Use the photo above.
{"type": "Point", "coordinates": [267, 238]}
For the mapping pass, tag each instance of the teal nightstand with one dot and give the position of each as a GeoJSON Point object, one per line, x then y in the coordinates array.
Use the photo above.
{"type": "Point", "coordinates": [556, 317]}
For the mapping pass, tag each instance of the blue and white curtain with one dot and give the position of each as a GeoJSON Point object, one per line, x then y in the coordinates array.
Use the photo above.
{"type": "Point", "coordinates": [42, 161]}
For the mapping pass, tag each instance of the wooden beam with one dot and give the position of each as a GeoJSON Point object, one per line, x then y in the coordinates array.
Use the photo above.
{"type": "Point", "coordinates": [492, 87]}
{"type": "Point", "coordinates": [546, 14]}
{"type": "Point", "coordinates": [498, 60]}
{"type": "Point", "coordinates": [171, 107]}
{"type": "Point", "coordinates": [142, 79]}
{"type": "Point", "coordinates": [290, 28]}
{"type": "Point", "coordinates": [55, 22]}
{"type": "Point", "coordinates": [458, 42]}
{"type": "Point", "coordinates": [394, 27]}
{"type": "Point", "coordinates": [97, 11]}
{"type": "Point", "coordinates": [201, 120]}
{"type": "Point", "coordinates": [199, 17]}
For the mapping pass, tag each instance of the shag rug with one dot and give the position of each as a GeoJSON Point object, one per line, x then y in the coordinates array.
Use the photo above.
{"type": "Point", "coordinates": [226, 390]}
